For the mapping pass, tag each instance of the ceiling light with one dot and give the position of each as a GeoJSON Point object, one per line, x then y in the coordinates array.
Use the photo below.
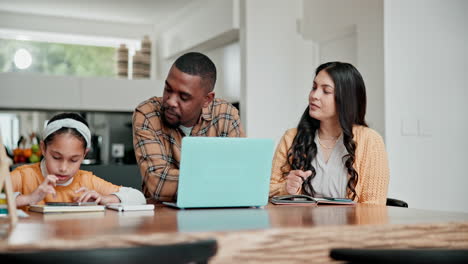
{"type": "Point", "coordinates": [22, 59]}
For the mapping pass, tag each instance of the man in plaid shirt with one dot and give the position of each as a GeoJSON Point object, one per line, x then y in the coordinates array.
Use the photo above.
{"type": "Point", "coordinates": [187, 108]}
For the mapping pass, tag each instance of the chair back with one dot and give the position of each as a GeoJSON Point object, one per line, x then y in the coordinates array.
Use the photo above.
{"type": "Point", "coordinates": [191, 252]}
{"type": "Point", "coordinates": [354, 255]}
{"type": "Point", "coordinates": [396, 202]}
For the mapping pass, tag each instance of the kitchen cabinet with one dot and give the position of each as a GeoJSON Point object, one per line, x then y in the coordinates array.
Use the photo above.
{"type": "Point", "coordinates": [117, 94]}
{"type": "Point", "coordinates": [35, 91]}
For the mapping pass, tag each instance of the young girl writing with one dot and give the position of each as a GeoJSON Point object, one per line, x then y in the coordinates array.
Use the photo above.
{"type": "Point", "coordinates": [58, 178]}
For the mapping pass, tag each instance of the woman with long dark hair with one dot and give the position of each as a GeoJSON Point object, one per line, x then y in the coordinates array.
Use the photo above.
{"type": "Point", "coordinates": [332, 152]}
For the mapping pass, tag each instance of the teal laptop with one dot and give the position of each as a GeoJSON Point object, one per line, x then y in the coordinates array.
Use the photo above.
{"type": "Point", "coordinates": [226, 219]}
{"type": "Point", "coordinates": [224, 172]}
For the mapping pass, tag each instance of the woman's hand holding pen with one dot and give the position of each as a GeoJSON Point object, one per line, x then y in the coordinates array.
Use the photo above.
{"type": "Point", "coordinates": [295, 179]}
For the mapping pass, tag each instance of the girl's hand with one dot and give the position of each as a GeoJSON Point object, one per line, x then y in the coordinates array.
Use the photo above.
{"type": "Point", "coordinates": [45, 188]}
{"type": "Point", "coordinates": [295, 179]}
{"type": "Point", "coordinates": [88, 196]}
{"type": "Point", "coordinates": [93, 196]}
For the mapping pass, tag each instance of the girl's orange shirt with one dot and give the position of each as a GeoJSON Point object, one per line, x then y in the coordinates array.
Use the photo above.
{"type": "Point", "coordinates": [27, 178]}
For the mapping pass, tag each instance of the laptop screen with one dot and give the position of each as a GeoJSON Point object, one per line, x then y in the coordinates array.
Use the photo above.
{"type": "Point", "coordinates": [224, 172]}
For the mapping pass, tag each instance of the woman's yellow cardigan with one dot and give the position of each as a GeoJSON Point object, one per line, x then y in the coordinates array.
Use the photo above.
{"type": "Point", "coordinates": [371, 164]}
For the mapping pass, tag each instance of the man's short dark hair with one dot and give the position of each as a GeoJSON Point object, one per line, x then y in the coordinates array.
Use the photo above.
{"type": "Point", "coordinates": [195, 63]}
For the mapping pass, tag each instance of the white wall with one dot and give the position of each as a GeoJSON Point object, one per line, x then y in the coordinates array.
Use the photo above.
{"type": "Point", "coordinates": [276, 67]}
{"type": "Point", "coordinates": [227, 61]}
{"type": "Point", "coordinates": [352, 31]}
{"type": "Point", "coordinates": [210, 23]}
{"type": "Point", "coordinates": [426, 80]}
{"type": "Point", "coordinates": [210, 27]}
{"type": "Point", "coordinates": [343, 48]}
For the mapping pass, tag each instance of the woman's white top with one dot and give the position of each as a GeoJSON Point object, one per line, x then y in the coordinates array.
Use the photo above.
{"type": "Point", "coordinates": [331, 177]}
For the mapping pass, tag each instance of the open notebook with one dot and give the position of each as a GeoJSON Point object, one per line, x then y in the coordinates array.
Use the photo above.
{"type": "Point", "coordinates": [301, 199]}
{"type": "Point", "coordinates": [130, 207]}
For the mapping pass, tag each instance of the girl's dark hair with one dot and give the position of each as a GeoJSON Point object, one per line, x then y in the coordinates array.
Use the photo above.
{"type": "Point", "coordinates": [65, 130]}
{"type": "Point", "coordinates": [350, 99]}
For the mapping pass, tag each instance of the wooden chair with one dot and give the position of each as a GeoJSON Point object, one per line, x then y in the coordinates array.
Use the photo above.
{"type": "Point", "coordinates": [5, 184]}
{"type": "Point", "coordinates": [190, 252]}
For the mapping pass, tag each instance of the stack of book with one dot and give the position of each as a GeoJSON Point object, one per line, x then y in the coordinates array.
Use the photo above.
{"type": "Point", "coordinates": [3, 205]}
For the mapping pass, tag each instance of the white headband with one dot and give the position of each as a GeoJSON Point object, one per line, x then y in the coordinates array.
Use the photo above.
{"type": "Point", "coordinates": [70, 123]}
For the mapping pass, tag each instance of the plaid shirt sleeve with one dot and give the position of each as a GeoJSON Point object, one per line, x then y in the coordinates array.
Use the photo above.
{"type": "Point", "coordinates": [234, 126]}
{"type": "Point", "coordinates": [222, 121]}
{"type": "Point", "coordinates": [158, 168]}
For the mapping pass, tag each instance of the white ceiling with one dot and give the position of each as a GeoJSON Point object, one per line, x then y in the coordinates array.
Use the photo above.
{"type": "Point", "coordinates": [124, 11]}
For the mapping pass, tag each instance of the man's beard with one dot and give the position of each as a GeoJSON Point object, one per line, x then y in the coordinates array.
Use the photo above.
{"type": "Point", "coordinates": [166, 122]}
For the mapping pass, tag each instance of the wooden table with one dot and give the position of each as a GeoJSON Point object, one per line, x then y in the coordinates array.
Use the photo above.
{"type": "Point", "coordinates": [285, 234]}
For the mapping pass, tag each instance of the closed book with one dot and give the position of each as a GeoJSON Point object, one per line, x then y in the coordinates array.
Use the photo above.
{"type": "Point", "coordinates": [131, 207]}
{"type": "Point", "coordinates": [66, 209]}
{"type": "Point", "coordinates": [19, 212]}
